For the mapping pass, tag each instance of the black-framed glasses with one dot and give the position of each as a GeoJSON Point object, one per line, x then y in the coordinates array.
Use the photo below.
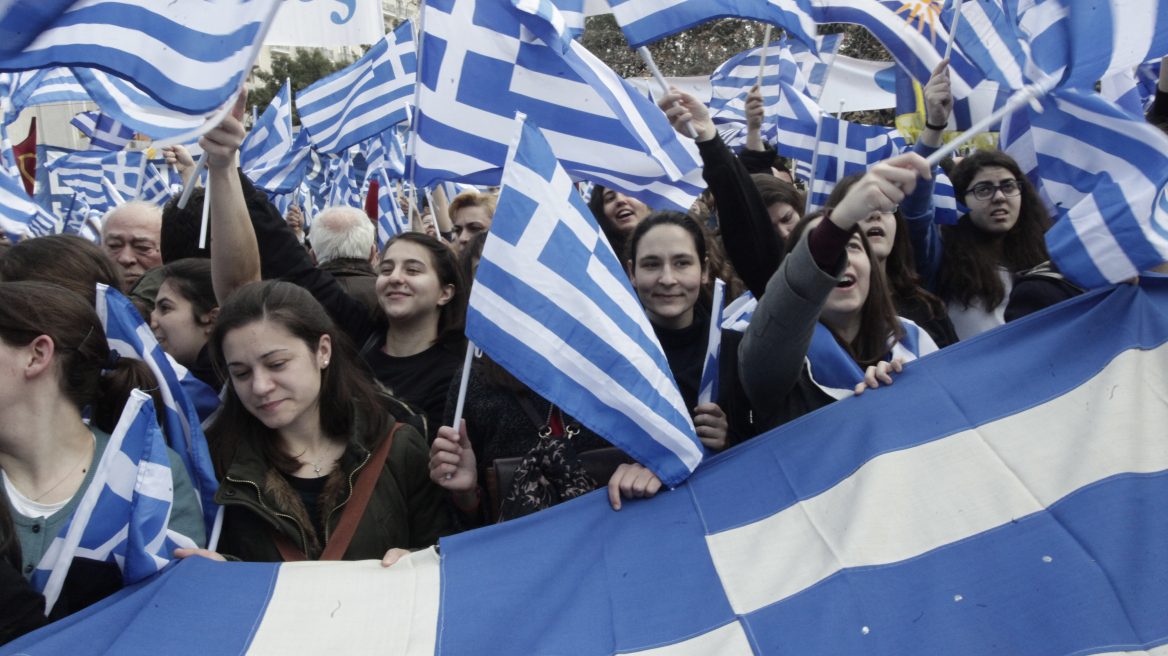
{"type": "Point", "coordinates": [986, 191]}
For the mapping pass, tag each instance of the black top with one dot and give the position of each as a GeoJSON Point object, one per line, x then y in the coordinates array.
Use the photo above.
{"type": "Point", "coordinates": [759, 161]}
{"type": "Point", "coordinates": [685, 349]}
{"type": "Point", "coordinates": [421, 379]}
{"type": "Point", "coordinates": [941, 330]}
{"type": "Point", "coordinates": [282, 256]}
{"type": "Point", "coordinates": [204, 369]}
{"type": "Point", "coordinates": [1158, 114]}
{"type": "Point", "coordinates": [752, 243]}
{"type": "Point", "coordinates": [309, 490]}
{"type": "Point", "coordinates": [1038, 289]}
{"type": "Point", "coordinates": [22, 609]}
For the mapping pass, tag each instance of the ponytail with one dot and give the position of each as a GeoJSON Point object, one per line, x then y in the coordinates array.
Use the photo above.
{"type": "Point", "coordinates": [114, 389]}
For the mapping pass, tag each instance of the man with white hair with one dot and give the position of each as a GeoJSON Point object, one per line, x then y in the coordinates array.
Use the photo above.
{"type": "Point", "coordinates": [131, 233]}
{"type": "Point", "coordinates": [344, 243]}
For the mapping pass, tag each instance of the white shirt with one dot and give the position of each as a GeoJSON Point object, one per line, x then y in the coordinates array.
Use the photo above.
{"type": "Point", "coordinates": [28, 507]}
{"type": "Point", "coordinates": [974, 320]}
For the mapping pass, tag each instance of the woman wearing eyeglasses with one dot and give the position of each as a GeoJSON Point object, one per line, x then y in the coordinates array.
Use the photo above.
{"type": "Point", "coordinates": [971, 265]}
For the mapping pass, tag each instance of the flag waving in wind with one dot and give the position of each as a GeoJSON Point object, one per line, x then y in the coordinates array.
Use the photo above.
{"type": "Point", "coordinates": [552, 304]}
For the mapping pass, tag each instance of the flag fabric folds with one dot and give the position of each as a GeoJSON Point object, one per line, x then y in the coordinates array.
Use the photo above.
{"type": "Point", "coordinates": [124, 515]}
{"type": "Point", "coordinates": [365, 99]}
{"type": "Point", "coordinates": [1106, 175]}
{"type": "Point", "coordinates": [20, 217]}
{"type": "Point", "coordinates": [845, 148]}
{"type": "Point", "coordinates": [601, 128]}
{"type": "Point", "coordinates": [104, 132]}
{"type": "Point", "coordinates": [270, 137]}
{"type": "Point", "coordinates": [183, 396]}
{"type": "Point", "coordinates": [191, 57]}
{"type": "Point", "coordinates": [1026, 515]}
{"type": "Point", "coordinates": [104, 179]}
{"type": "Point", "coordinates": [552, 304]}
{"type": "Point", "coordinates": [645, 21]}
{"type": "Point", "coordinates": [390, 219]}
{"type": "Point", "coordinates": [285, 174]}
{"type": "Point", "coordinates": [132, 107]}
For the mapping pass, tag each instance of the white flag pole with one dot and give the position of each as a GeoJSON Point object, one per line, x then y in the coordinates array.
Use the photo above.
{"type": "Point", "coordinates": [953, 28]}
{"type": "Point", "coordinates": [206, 212]}
{"type": "Point", "coordinates": [458, 407]}
{"type": "Point", "coordinates": [648, 59]}
{"type": "Point", "coordinates": [766, 41]}
{"type": "Point", "coordinates": [814, 163]}
{"type": "Point", "coordinates": [141, 175]}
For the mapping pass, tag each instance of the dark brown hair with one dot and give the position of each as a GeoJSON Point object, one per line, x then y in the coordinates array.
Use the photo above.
{"type": "Point", "coordinates": [72, 262]}
{"type": "Point", "coordinates": [879, 325]}
{"type": "Point", "coordinates": [969, 270]}
{"type": "Point", "coordinates": [471, 252]}
{"type": "Point", "coordinates": [614, 236]}
{"type": "Point", "coordinates": [191, 278]}
{"type": "Point", "coordinates": [179, 236]}
{"type": "Point", "coordinates": [452, 318]}
{"type": "Point", "coordinates": [31, 309]}
{"type": "Point", "coordinates": [900, 269]}
{"type": "Point", "coordinates": [345, 390]}
{"type": "Point", "coordinates": [773, 190]}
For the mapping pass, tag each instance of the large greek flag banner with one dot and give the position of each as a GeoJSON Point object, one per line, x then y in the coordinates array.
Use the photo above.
{"type": "Point", "coordinates": [124, 515]}
{"type": "Point", "coordinates": [552, 304]}
{"type": "Point", "coordinates": [182, 394]}
{"type": "Point", "coordinates": [1005, 495]}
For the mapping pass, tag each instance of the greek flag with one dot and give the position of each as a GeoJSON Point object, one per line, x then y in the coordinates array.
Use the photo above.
{"type": "Point", "coordinates": [191, 57]}
{"type": "Point", "coordinates": [157, 188]}
{"type": "Point", "coordinates": [390, 220]}
{"type": "Point", "coordinates": [20, 217]}
{"type": "Point", "coordinates": [133, 108]}
{"type": "Point", "coordinates": [645, 21]}
{"type": "Point", "coordinates": [835, 372]}
{"type": "Point", "coordinates": [708, 388]}
{"type": "Point", "coordinates": [104, 132]}
{"type": "Point", "coordinates": [946, 209]}
{"type": "Point", "coordinates": [988, 35]}
{"type": "Point", "coordinates": [340, 187]}
{"type": "Point", "coordinates": [940, 514]}
{"type": "Point", "coordinates": [1080, 42]}
{"type": "Point", "coordinates": [1106, 173]}
{"type": "Point", "coordinates": [737, 315]}
{"type": "Point", "coordinates": [365, 99]}
{"type": "Point", "coordinates": [285, 174]}
{"type": "Point", "coordinates": [270, 137]}
{"type": "Point", "coordinates": [845, 148]}
{"type": "Point", "coordinates": [182, 394]}
{"type": "Point", "coordinates": [104, 179]}
{"type": "Point", "coordinates": [552, 304]}
{"type": "Point", "coordinates": [482, 61]}
{"type": "Point", "coordinates": [49, 191]}
{"type": "Point", "coordinates": [77, 218]}
{"type": "Point", "coordinates": [45, 86]}
{"type": "Point", "coordinates": [1123, 89]}
{"type": "Point", "coordinates": [124, 515]}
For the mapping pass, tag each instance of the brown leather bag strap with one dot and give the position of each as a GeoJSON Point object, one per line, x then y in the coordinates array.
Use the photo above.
{"type": "Point", "coordinates": [362, 491]}
{"type": "Point", "coordinates": [288, 551]}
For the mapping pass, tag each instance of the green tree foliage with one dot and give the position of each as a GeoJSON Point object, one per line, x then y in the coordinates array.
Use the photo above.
{"type": "Point", "coordinates": [307, 66]}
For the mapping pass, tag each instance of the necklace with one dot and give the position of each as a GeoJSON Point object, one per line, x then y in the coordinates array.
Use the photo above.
{"type": "Point", "coordinates": [316, 465]}
{"type": "Point", "coordinates": [72, 469]}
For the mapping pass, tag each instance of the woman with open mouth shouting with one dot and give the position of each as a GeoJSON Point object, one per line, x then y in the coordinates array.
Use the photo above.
{"type": "Point", "coordinates": [971, 265]}
{"type": "Point", "coordinates": [826, 299]}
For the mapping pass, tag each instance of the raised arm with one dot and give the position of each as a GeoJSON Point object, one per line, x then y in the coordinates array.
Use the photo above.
{"type": "Point", "coordinates": [752, 244]}
{"type": "Point", "coordinates": [772, 351]}
{"type": "Point", "coordinates": [235, 259]}
{"type": "Point", "coordinates": [918, 207]}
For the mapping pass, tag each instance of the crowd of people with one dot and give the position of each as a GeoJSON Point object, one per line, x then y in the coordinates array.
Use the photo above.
{"type": "Point", "coordinates": [337, 361]}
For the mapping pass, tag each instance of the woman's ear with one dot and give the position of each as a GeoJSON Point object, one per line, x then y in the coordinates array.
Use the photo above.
{"type": "Point", "coordinates": [207, 321]}
{"type": "Point", "coordinates": [706, 271]}
{"type": "Point", "coordinates": [447, 294]}
{"type": "Point", "coordinates": [324, 351]}
{"type": "Point", "coordinates": [40, 353]}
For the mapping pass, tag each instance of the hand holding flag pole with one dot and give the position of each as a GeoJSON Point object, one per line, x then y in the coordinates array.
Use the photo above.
{"type": "Point", "coordinates": [1016, 102]}
{"type": "Point", "coordinates": [648, 58]}
{"type": "Point", "coordinates": [458, 407]}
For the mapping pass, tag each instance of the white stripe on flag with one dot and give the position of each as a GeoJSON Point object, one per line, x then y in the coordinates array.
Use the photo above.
{"type": "Point", "coordinates": [906, 503]}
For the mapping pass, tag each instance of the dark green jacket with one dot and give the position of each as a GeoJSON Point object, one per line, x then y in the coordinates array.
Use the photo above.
{"type": "Point", "coordinates": [407, 510]}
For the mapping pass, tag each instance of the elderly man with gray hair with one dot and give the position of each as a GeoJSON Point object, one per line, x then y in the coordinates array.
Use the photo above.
{"type": "Point", "coordinates": [131, 233]}
{"type": "Point", "coordinates": [344, 243]}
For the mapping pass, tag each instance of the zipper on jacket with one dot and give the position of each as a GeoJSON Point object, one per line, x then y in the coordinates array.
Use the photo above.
{"type": "Point", "coordinates": [260, 496]}
{"type": "Point", "coordinates": [351, 475]}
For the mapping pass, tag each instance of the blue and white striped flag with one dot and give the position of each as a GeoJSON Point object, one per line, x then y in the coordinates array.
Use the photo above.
{"type": "Point", "coordinates": [49, 191]}
{"type": "Point", "coordinates": [845, 148]}
{"type": "Point", "coordinates": [157, 188]}
{"type": "Point", "coordinates": [553, 305]}
{"type": "Point", "coordinates": [708, 388]}
{"type": "Point", "coordinates": [815, 69]}
{"type": "Point", "coordinates": [737, 315]}
{"type": "Point", "coordinates": [77, 219]}
{"type": "Point", "coordinates": [183, 396]}
{"type": "Point", "coordinates": [365, 99]}
{"type": "Point", "coordinates": [135, 109]}
{"type": "Point", "coordinates": [1106, 173]}
{"type": "Point", "coordinates": [20, 217]}
{"type": "Point", "coordinates": [104, 132]}
{"type": "Point", "coordinates": [1080, 42]}
{"type": "Point", "coordinates": [946, 209]}
{"type": "Point", "coordinates": [49, 85]}
{"type": "Point", "coordinates": [645, 21]}
{"type": "Point", "coordinates": [1122, 88]}
{"type": "Point", "coordinates": [124, 516]}
{"type": "Point", "coordinates": [104, 179]}
{"type": "Point", "coordinates": [988, 36]}
{"type": "Point", "coordinates": [912, 33]}
{"type": "Point", "coordinates": [481, 63]}
{"type": "Point", "coordinates": [287, 173]}
{"type": "Point", "coordinates": [940, 514]}
{"type": "Point", "coordinates": [270, 138]}
{"type": "Point", "coordinates": [191, 57]}
{"type": "Point", "coordinates": [390, 220]}
{"type": "Point", "coordinates": [340, 188]}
